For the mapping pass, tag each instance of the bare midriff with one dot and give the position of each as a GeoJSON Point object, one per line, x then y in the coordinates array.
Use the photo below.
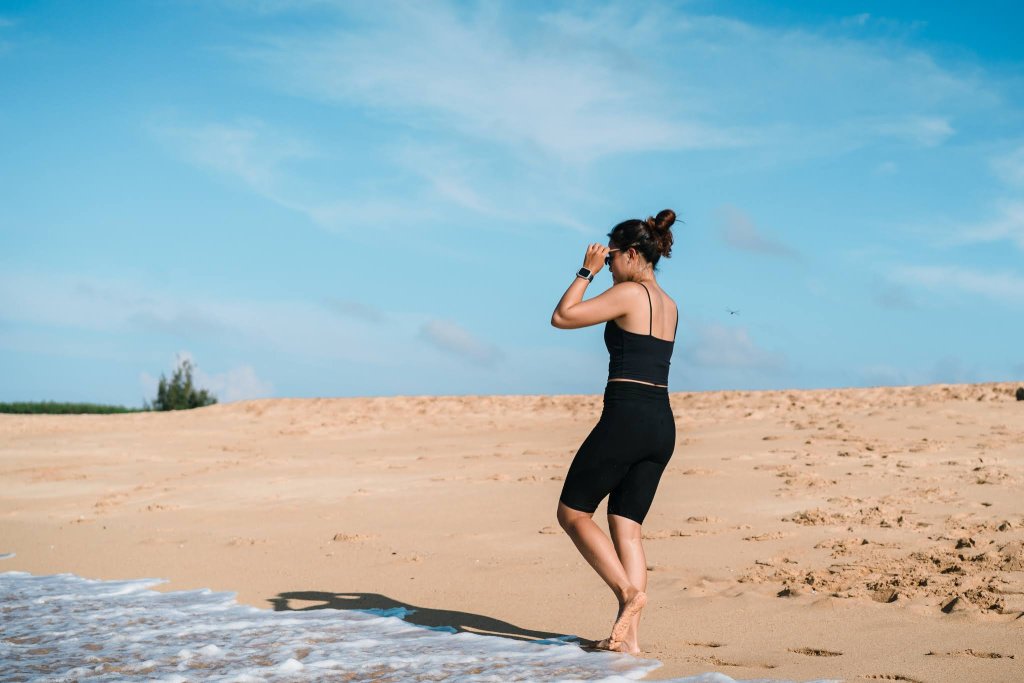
{"type": "Point", "coordinates": [650, 384]}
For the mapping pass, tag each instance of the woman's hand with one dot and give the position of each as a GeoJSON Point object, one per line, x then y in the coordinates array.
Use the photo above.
{"type": "Point", "coordinates": [594, 259]}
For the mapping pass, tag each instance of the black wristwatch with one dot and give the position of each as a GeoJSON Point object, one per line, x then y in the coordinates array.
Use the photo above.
{"type": "Point", "coordinates": [585, 273]}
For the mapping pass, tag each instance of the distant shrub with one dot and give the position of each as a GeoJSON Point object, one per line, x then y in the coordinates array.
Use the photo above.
{"type": "Point", "coordinates": [180, 393]}
{"type": "Point", "coordinates": [55, 408]}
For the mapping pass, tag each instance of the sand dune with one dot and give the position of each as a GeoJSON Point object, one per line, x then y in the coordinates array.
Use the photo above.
{"type": "Point", "coordinates": [864, 534]}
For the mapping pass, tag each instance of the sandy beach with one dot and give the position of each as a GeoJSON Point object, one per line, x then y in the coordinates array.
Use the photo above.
{"type": "Point", "coordinates": [861, 534]}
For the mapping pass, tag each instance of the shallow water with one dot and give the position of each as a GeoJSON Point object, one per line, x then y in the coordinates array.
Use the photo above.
{"type": "Point", "coordinates": [63, 627]}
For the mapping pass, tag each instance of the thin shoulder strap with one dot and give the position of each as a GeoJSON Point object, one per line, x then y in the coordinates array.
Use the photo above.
{"type": "Point", "coordinates": [677, 324]}
{"type": "Point", "coordinates": [651, 332]}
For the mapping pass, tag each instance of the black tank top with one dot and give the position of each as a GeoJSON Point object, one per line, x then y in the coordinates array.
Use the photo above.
{"type": "Point", "coordinates": [638, 356]}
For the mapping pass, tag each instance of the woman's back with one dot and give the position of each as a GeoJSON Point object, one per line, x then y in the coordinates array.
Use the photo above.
{"type": "Point", "coordinates": [641, 356]}
{"type": "Point", "coordinates": [660, 317]}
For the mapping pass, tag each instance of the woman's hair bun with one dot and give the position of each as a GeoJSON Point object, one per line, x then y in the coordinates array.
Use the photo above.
{"type": "Point", "coordinates": [652, 236]}
{"type": "Point", "coordinates": [664, 219]}
{"type": "Point", "coordinates": [661, 225]}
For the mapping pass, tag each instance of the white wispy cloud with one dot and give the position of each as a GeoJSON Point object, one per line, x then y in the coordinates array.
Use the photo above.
{"type": "Point", "coordinates": [582, 83]}
{"type": "Point", "coordinates": [443, 183]}
{"type": "Point", "coordinates": [926, 131]}
{"type": "Point", "coordinates": [237, 384]}
{"type": "Point", "coordinates": [248, 148]}
{"type": "Point", "coordinates": [373, 351]}
{"type": "Point", "coordinates": [65, 305]}
{"type": "Point", "coordinates": [544, 89]}
{"type": "Point", "coordinates": [715, 345]}
{"type": "Point", "coordinates": [272, 7]}
{"type": "Point", "coordinates": [946, 369]}
{"type": "Point", "coordinates": [1004, 286]}
{"type": "Point", "coordinates": [262, 157]}
{"type": "Point", "coordinates": [493, 189]}
{"type": "Point", "coordinates": [124, 306]}
{"type": "Point", "coordinates": [517, 105]}
{"type": "Point", "coordinates": [452, 338]}
{"type": "Point", "coordinates": [737, 229]}
{"type": "Point", "coordinates": [449, 174]}
{"type": "Point", "coordinates": [1007, 223]}
{"type": "Point", "coordinates": [856, 19]}
{"type": "Point", "coordinates": [6, 45]}
{"type": "Point", "coordinates": [356, 309]}
{"type": "Point", "coordinates": [893, 296]}
{"type": "Point", "coordinates": [887, 168]}
{"type": "Point", "coordinates": [1010, 167]}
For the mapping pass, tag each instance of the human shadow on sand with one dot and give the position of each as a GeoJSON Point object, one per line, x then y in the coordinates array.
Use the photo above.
{"type": "Point", "coordinates": [440, 619]}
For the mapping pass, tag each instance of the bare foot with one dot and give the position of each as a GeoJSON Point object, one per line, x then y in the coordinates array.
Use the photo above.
{"type": "Point", "coordinates": [630, 642]}
{"type": "Point", "coordinates": [607, 644]}
{"type": "Point", "coordinates": [630, 609]}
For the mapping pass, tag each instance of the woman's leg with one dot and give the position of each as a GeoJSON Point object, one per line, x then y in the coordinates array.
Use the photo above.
{"type": "Point", "coordinates": [598, 550]}
{"type": "Point", "coordinates": [627, 539]}
{"type": "Point", "coordinates": [628, 505]}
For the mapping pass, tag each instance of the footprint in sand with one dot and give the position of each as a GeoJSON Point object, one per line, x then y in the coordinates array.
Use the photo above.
{"type": "Point", "coordinates": [239, 541]}
{"type": "Point", "coordinates": [717, 661]}
{"type": "Point", "coordinates": [109, 501]}
{"type": "Point", "coordinates": [695, 519]}
{"type": "Point", "coordinates": [814, 652]}
{"type": "Point", "coordinates": [971, 653]}
{"type": "Point", "coordinates": [712, 644]}
{"type": "Point", "coordinates": [769, 536]}
{"type": "Point", "coordinates": [352, 538]}
{"type": "Point", "coordinates": [670, 533]}
{"type": "Point", "coordinates": [891, 677]}
{"type": "Point", "coordinates": [153, 507]}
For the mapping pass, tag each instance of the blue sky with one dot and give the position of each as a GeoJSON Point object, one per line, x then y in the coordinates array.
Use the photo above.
{"type": "Point", "coordinates": [315, 198]}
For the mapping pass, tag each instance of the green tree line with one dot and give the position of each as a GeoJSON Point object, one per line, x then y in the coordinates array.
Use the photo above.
{"type": "Point", "coordinates": [177, 393]}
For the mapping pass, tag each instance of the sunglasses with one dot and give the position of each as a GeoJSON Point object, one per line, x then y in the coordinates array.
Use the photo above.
{"type": "Point", "coordinates": [608, 257]}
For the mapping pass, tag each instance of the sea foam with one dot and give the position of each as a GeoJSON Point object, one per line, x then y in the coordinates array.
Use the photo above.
{"type": "Point", "coordinates": [64, 627]}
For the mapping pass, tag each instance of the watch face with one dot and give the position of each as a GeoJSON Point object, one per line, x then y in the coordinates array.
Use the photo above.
{"type": "Point", "coordinates": [584, 272]}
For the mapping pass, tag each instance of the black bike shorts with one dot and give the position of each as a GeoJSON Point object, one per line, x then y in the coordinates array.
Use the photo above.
{"type": "Point", "coordinates": [625, 453]}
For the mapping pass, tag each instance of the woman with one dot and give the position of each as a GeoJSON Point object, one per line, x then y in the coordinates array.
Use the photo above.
{"type": "Point", "coordinates": [628, 449]}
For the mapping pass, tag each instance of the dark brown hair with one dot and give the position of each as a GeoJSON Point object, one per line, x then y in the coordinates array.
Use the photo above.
{"type": "Point", "coordinates": [651, 237]}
